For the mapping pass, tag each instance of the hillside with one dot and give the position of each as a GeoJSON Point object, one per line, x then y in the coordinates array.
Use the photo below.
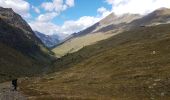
{"type": "Point", "coordinates": [16, 33]}
{"type": "Point", "coordinates": [103, 29]}
{"type": "Point", "coordinates": [128, 66]}
{"type": "Point", "coordinates": [22, 53]}
{"type": "Point", "coordinates": [14, 64]}
{"type": "Point", "coordinates": [159, 16]}
{"type": "Point", "coordinates": [114, 25]}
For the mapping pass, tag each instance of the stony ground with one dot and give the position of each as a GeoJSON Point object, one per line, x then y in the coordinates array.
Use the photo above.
{"type": "Point", "coordinates": [7, 93]}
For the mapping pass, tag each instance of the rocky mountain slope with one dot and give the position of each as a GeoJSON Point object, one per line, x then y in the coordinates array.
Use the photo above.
{"type": "Point", "coordinates": [110, 26]}
{"type": "Point", "coordinates": [48, 40]}
{"type": "Point", "coordinates": [107, 27]}
{"type": "Point", "coordinates": [16, 33]}
{"type": "Point", "coordinates": [159, 16]}
{"type": "Point", "coordinates": [22, 53]}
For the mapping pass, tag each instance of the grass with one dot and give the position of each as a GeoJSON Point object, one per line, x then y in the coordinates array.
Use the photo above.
{"type": "Point", "coordinates": [14, 64]}
{"type": "Point", "coordinates": [78, 43]}
{"type": "Point", "coordinates": [129, 66]}
{"type": "Point", "coordinates": [21, 53]}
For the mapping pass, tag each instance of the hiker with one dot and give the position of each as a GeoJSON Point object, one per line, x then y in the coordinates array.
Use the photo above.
{"type": "Point", "coordinates": [14, 83]}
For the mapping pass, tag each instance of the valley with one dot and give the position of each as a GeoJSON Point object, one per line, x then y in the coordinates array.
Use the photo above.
{"type": "Point", "coordinates": [123, 57]}
{"type": "Point", "coordinates": [121, 67]}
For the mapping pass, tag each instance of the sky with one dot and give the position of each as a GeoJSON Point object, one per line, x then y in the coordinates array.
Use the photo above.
{"type": "Point", "coordinates": [64, 17]}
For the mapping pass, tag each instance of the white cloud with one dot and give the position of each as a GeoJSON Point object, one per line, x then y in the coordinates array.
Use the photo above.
{"type": "Point", "coordinates": [44, 24]}
{"type": "Point", "coordinates": [103, 12]}
{"type": "Point", "coordinates": [137, 6]}
{"type": "Point", "coordinates": [70, 3]}
{"type": "Point", "coordinates": [67, 28]}
{"type": "Point", "coordinates": [36, 9]}
{"type": "Point", "coordinates": [47, 28]}
{"type": "Point", "coordinates": [83, 22]}
{"type": "Point", "coordinates": [48, 6]}
{"type": "Point", "coordinates": [55, 8]}
{"type": "Point", "coordinates": [44, 27]}
{"type": "Point", "coordinates": [46, 17]}
{"type": "Point", "coordinates": [70, 27]}
{"type": "Point", "coordinates": [57, 5]}
{"type": "Point", "coordinates": [20, 6]}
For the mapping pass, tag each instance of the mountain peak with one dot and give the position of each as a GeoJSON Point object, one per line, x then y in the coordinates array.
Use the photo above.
{"type": "Point", "coordinates": [162, 11]}
{"type": "Point", "coordinates": [6, 9]}
{"type": "Point", "coordinates": [13, 19]}
{"type": "Point", "coordinates": [108, 19]}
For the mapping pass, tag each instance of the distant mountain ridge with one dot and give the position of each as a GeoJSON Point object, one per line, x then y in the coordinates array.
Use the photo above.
{"type": "Point", "coordinates": [105, 24]}
{"type": "Point", "coordinates": [48, 40]}
{"type": "Point", "coordinates": [111, 19]}
{"type": "Point", "coordinates": [159, 16]}
{"type": "Point", "coordinates": [111, 24]}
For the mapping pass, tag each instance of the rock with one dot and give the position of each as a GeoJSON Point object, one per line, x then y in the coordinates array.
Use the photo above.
{"type": "Point", "coordinates": [162, 94]}
{"type": "Point", "coordinates": [150, 87]}
{"type": "Point", "coordinates": [157, 80]}
{"type": "Point", "coordinates": [154, 84]}
{"type": "Point", "coordinates": [154, 52]}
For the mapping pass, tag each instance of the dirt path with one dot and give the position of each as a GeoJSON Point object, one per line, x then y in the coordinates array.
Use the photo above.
{"type": "Point", "coordinates": [6, 93]}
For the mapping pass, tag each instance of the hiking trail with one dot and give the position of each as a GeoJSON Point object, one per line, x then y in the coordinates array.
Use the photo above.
{"type": "Point", "coordinates": [7, 93]}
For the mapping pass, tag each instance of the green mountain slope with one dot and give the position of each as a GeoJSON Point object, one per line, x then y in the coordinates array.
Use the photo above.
{"type": "Point", "coordinates": [129, 66]}
{"type": "Point", "coordinates": [110, 26]}
{"type": "Point", "coordinates": [16, 33]}
{"type": "Point", "coordinates": [22, 53]}
{"type": "Point", "coordinates": [15, 64]}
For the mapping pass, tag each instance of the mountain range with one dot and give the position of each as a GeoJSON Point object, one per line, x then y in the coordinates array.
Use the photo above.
{"type": "Point", "coordinates": [120, 57]}
{"type": "Point", "coordinates": [48, 40]}
{"type": "Point", "coordinates": [131, 65]}
{"type": "Point", "coordinates": [110, 26]}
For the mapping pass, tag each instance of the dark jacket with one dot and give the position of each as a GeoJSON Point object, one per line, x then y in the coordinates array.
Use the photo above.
{"type": "Point", "coordinates": [14, 82]}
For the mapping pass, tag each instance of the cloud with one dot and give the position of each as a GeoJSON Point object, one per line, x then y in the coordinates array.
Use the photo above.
{"type": "Point", "coordinates": [103, 12]}
{"type": "Point", "coordinates": [36, 9]}
{"type": "Point", "coordinates": [46, 17]}
{"type": "Point", "coordinates": [72, 26]}
{"type": "Point", "coordinates": [48, 6]}
{"type": "Point", "coordinates": [70, 3]}
{"type": "Point", "coordinates": [57, 5]}
{"type": "Point", "coordinates": [54, 9]}
{"type": "Point", "coordinates": [66, 29]}
{"type": "Point", "coordinates": [44, 27]}
{"type": "Point", "coordinates": [47, 28]}
{"type": "Point", "coordinates": [83, 22]}
{"type": "Point", "coordinates": [137, 6]}
{"type": "Point", "coordinates": [20, 6]}
{"type": "Point", "coordinates": [44, 24]}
